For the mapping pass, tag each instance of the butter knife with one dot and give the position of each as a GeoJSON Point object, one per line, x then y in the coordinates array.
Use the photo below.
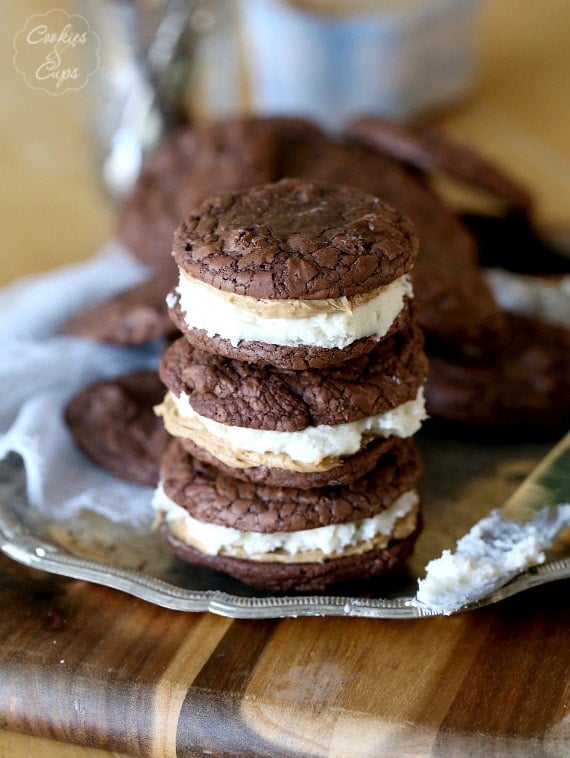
{"type": "Point", "coordinates": [533, 525]}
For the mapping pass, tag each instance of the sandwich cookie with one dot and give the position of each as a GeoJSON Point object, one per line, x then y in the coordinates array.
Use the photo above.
{"type": "Point", "coordinates": [306, 429]}
{"type": "Point", "coordinates": [284, 538]}
{"type": "Point", "coordinates": [456, 307]}
{"type": "Point", "coordinates": [295, 274]}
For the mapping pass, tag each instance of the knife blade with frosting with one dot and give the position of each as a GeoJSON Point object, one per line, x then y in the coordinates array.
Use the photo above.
{"type": "Point", "coordinates": [532, 526]}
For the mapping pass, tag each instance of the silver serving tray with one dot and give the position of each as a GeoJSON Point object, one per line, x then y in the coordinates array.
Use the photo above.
{"type": "Point", "coordinates": [463, 481]}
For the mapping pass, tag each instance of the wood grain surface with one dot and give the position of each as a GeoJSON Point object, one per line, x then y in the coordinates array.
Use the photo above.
{"type": "Point", "coordinates": [84, 664]}
{"type": "Point", "coordinates": [89, 672]}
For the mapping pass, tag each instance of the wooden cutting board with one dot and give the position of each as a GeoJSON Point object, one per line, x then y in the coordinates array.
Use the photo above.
{"type": "Point", "coordinates": [88, 665]}
{"type": "Point", "coordinates": [84, 665]}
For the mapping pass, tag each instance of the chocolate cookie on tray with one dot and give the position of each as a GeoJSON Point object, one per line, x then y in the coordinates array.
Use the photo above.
{"type": "Point", "coordinates": [113, 423]}
{"type": "Point", "coordinates": [303, 429]}
{"type": "Point", "coordinates": [524, 390]}
{"type": "Point", "coordinates": [296, 274]}
{"type": "Point", "coordinates": [283, 538]}
{"type": "Point", "coordinates": [132, 317]}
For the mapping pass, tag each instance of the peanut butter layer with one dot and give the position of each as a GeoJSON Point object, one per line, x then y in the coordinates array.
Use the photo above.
{"type": "Point", "coordinates": [290, 308]}
{"type": "Point", "coordinates": [192, 429]}
{"type": "Point", "coordinates": [403, 527]}
{"type": "Point", "coordinates": [296, 239]}
{"type": "Point", "coordinates": [248, 395]}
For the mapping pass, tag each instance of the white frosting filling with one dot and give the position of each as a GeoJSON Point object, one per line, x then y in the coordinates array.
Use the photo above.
{"type": "Point", "coordinates": [314, 443]}
{"type": "Point", "coordinates": [213, 538]}
{"type": "Point", "coordinates": [491, 553]}
{"type": "Point", "coordinates": [205, 308]}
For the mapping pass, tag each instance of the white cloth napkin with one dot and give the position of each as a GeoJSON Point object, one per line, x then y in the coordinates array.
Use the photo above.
{"type": "Point", "coordinates": [40, 369]}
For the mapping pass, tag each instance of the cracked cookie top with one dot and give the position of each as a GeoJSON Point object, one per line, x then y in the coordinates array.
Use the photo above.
{"type": "Point", "coordinates": [211, 497]}
{"type": "Point", "coordinates": [265, 397]}
{"type": "Point", "coordinates": [295, 239]}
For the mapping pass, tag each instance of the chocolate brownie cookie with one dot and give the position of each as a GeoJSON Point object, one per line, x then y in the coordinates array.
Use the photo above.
{"type": "Point", "coordinates": [430, 149]}
{"type": "Point", "coordinates": [525, 389]}
{"type": "Point", "coordinates": [213, 498]}
{"type": "Point", "coordinates": [132, 317]}
{"type": "Point", "coordinates": [295, 240]}
{"type": "Point", "coordinates": [190, 165]}
{"type": "Point", "coordinates": [302, 577]}
{"type": "Point", "coordinates": [264, 397]}
{"type": "Point", "coordinates": [112, 422]}
{"type": "Point", "coordinates": [282, 538]}
{"type": "Point", "coordinates": [295, 264]}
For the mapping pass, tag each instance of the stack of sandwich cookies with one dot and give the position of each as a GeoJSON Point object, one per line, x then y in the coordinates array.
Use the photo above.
{"type": "Point", "coordinates": [296, 470]}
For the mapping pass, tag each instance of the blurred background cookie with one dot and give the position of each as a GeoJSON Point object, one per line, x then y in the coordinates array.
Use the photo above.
{"type": "Point", "coordinates": [430, 149]}
{"type": "Point", "coordinates": [524, 389]}
{"type": "Point", "coordinates": [132, 317]}
{"type": "Point", "coordinates": [113, 423]}
{"type": "Point", "coordinates": [188, 166]}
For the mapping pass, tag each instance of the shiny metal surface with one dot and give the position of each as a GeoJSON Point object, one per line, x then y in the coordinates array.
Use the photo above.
{"type": "Point", "coordinates": [171, 584]}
